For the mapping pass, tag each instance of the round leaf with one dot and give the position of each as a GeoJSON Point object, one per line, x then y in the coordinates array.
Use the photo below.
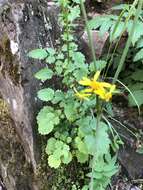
{"type": "Point", "coordinates": [54, 162]}
{"type": "Point", "coordinates": [38, 54]}
{"type": "Point", "coordinates": [46, 94]}
{"type": "Point", "coordinates": [46, 120]}
{"type": "Point", "coordinates": [44, 74]}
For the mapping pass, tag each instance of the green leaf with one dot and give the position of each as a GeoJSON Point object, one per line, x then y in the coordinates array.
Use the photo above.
{"type": "Point", "coordinates": [139, 55]}
{"type": "Point", "coordinates": [50, 59]}
{"type": "Point", "coordinates": [51, 51]}
{"type": "Point", "coordinates": [81, 157]}
{"type": "Point", "coordinates": [140, 43]}
{"type": "Point", "coordinates": [138, 96]}
{"type": "Point", "coordinates": [86, 125]}
{"type": "Point", "coordinates": [58, 96]}
{"type": "Point", "coordinates": [137, 75]}
{"type": "Point", "coordinates": [96, 22]}
{"type": "Point", "coordinates": [47, 118]}
{"type": "Point", "coordinates": [85, 187]}
{"type": "Point", "coordinates": [67, 157]}
{"type": "Point", "coordinates": [117, 32]}
{"type": "Point", "coordinates": [102, 146]}
{"type": "Point", "coordinates": [44, 74]}
{"type": "Point", "coordinates": [74, 13]}
{"type": "Point", "coordinates": [136, 86]}
{"type": "Point", "coordinates": [90, 142]}
{"type": "Point", "coordinates": [79, 59]}
{"type": "Point", "coordinates": [100, 64]}
{"type": "Point", "coordinates": [46, 94]}
{"type": "Point", "coordinates": [53, 162]}
{"type": "Point", "coordinates": [38, 54]}
{"type": "Point", "coordinates": [70, 111]}
{"type": "Point", "coordinates": [50, 145]}
{"type": "Point", "coordinates": [138, 30]}
{"type": "Point", "coordinates": [95, 144]}
{"type": "Point", "coordinates": [105, 26]}
{"type": "Point", "coordinates": [81, 145]}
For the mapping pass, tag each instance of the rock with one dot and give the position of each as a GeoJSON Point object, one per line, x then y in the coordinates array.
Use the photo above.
{"type": "Point", "coordinates": [132, 162]}
{"type": "Point", "coordinates": [98, 42]}
{"type": "Point", "coordinates": [25, 25]}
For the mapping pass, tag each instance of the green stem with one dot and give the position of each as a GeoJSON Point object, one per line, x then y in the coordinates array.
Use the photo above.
{"type": "Point", "coordinates": [88, 32]}
{"type": "Point", "coordinates": [99, 111]}
{"type": "Point", "coordinates": [122, 60]}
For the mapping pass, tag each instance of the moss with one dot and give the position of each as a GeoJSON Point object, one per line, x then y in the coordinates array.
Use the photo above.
{"type": "Point", "coordinates": [9, 63]}
{"type": "Point", "coordinates": [12, 156]}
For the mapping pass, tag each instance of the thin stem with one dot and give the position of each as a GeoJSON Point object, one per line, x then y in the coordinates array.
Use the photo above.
{"type": "Point", "coordinates": [88, 32]}
{"type": "Point", "coordinates": [122, 60]}
{"type": "Point", "coordinates": [96, 135]}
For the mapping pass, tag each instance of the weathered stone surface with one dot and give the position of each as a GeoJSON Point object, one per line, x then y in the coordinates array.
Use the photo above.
{"type": "Point", "coordinates": [25, 25]}
{"type": "Point", "coordinates": [98, 42]}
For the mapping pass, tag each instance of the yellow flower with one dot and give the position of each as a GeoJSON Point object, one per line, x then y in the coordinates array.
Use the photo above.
{"type": "Point", "coordinates": [109, 94]}
{"type": "Point", "coordinates": [103, 89]}
{"type": "Point", "coordinates": [93, 83]}
{"type": "Point", "coordinates": [104, 94]}
{"type": "Point", "coordinates": [84, 94]}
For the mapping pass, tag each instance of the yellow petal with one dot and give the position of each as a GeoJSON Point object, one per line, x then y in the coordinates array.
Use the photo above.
{"type": "Point", "coordinates": [85, 81]}
{"type": "Point", "coordinates": [96, 76]}
{"type": "Point", "coordinates": [100, 92]}
{"type": "Point", "coordinates": [106, 84]}
{"type": "Point", "coordinates": [87, 90]}
{"type": "Point", "coordinates": [81, 95]}
{"type": "Point", "coordinates": [108, 96]}
{"type": "Point", "coordinates": [112, 89]}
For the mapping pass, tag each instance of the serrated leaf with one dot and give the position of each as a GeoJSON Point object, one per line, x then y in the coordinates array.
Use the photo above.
{"type": "Point", "coordinates": [53, 162]}
{"type": "Point", "coordinates": [51, 51]}
{"type": "Point", "coordinates": [38, 54]}
{"type": "Point", "coordinates": [46, 94]}
{"type": "Point", "coordinates": [138, 96]}
{"type": "Point", "coordinates": [50, 59]}
{"type": "Point", "coordinates": [79, 59]}
{"type": "Point", "coordinates": [46, 120]}
{"type": "Point", "coordinates": [70, 111]}
{"type": "Point", "coordinates": [74, 13]}
{"type": "Point", "coordinates": [105, 26]}
{"type": "Point", "coordinates": [139, 55]}
{"type": "Point", "coordinates": [138, 32]}
{"type": "Point", "coordinates": [118, 31]}
{"type": "Point", "coordinates": [96, 22]}
{"type": "Point", "coordinates": [58, 96]}
{"type": "Point", "coordinates": [100, 64]}
{"type": "Point", "coordinates": [44, 74]}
